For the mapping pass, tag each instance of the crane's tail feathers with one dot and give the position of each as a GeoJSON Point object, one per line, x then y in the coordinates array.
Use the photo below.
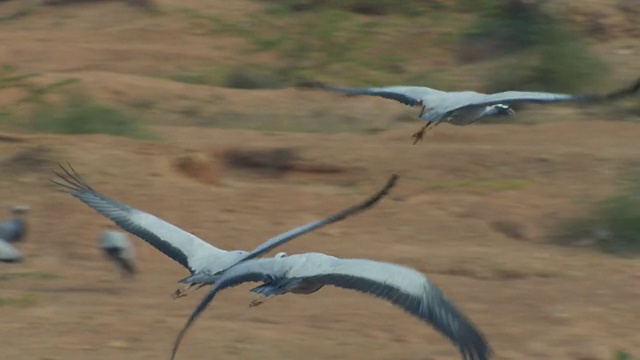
{"type": "Point", "coordinates": [264, 289]}
{"type": "Point", "coordinates": [268, 290]}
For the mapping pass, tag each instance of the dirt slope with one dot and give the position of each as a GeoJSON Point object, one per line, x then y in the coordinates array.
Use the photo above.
{"type": "Point", "coordinates": [531, 299]}
{"type": "Point", "coordinates": [471, 210]}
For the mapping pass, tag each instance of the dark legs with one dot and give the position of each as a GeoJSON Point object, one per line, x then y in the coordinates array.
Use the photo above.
{"type": "Point", "coordinates": [420, 133]}
{"type": "Point", "coordinates": [183, 292]}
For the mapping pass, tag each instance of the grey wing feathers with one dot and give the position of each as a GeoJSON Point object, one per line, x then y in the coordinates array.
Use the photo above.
{"type": "Point", "coordinates": [174, 242]}
{"type": "Point", "coordinates": [299, 231]}
{"type": "Point", "coordinates": [510, 97]}
{"type": "Point", "coordinates": [410, 290]}
{"type": "Point", "coordinates": [408, 95]}
{"type": "Point", "coordinates": [292, 234]}
{"type": "Point", "coordinates": [401, 286]}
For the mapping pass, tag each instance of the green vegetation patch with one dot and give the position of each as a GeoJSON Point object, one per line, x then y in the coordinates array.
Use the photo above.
{"type": "Point", "coordinates": [613, 225]}
{"type": "Point", "coordinates": [84, 116]}
{"type": "Point", "coordinates": [23, 301]}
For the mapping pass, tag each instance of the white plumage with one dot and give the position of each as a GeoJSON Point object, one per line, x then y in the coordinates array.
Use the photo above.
{"type": "Point", "coordinates": [8, 253]}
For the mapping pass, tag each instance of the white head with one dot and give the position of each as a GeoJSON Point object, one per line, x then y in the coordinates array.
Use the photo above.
{"type": "Point", "coordinates": [280, 255]}
{"type": "Point", "coordinates": [498, 109]}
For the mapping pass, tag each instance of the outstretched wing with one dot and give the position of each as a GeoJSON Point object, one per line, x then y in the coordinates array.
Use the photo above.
{"type": "Point", "coordinates": [411, 291]}
{"type": "Point", "coordinates": [408, 95]}
{"type": "Point", "coordinates": [255, 270]}
{"type": "Point", "coordinates": [469, 98]}
{"type": "Point", "coordinates": [283, 238]}
{"type": "Point", "coordinates": [183, 247]}
{"type": "Point", "coordinates": [402, 286]}
{"type": "Point", "coordinates": [292, 234]}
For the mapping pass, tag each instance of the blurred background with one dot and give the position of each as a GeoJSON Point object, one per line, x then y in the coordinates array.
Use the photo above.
{"type": "Point", "coordinates": [189, 110]}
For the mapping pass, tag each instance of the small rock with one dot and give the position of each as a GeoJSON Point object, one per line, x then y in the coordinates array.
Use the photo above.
{"type": "Point", "coordinates": [624, 52]}
{"type": "Point", "coordinates": [509, 228]}
{"type": "Point", "coordinates": [119, 344]}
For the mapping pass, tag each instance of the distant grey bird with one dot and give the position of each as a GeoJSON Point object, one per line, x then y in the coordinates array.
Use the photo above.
{"type": "Point", "coordinates": [308, 273]}
{"type": "Point", "coordinates": [199, 257]}
{"type": "Point", "coordinates": [466, 107]}
{"type": "Point", "coordinates": [117, 247]}
{"type": "Point", "coordinates": [8, 253]}
{"type": "Point", "coordinates": [14, 230]}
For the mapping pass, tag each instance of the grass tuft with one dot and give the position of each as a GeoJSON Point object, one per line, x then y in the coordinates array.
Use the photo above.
{"type": "Point", "coordinates": [623, 355]}
{"type": "Point", "coordinates": [613, 225]}
{"type": "Point", "coordinates": [564, 63]}
{"type": "Point", "coordinates": [548, 56]}
{"type": "Point", "coordinates": [252, 78]}
{"type": "Point", "coordinates": [22, 302]}
{"type": "Point", "coordinates": [84, 116]}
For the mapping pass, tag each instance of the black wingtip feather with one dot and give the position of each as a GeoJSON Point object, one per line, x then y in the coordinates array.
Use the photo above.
{"type": "Point", "coordinates": [613, 95]}
{"type": "Point", "coordinates": [465, 336]}
{"type": "Point", "coordinates": [624, 92]}
{"type": "Point", "coordinates": [379, 195]}
{"type": "Point", "coordinates": [72, 180]}
{"type": "Point", "coordinates": [341, 215]}
{"type": "Point", "coordinates": [181, 335]}
{"type": "Point", "coordinates": [199, 309]}
{"type": "Point", "coordinates": [309, 84]}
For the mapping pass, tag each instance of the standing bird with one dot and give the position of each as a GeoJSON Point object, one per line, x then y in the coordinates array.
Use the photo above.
{"type": "Point", "coordinates": [117, 247]}
{"type": "Point", "coordinates": [467, 107]}
{"type": "Point", "coordinates": [198, 256]}
{"type": "Point", "coordinates": [308, 273]}
{"type": "Point", "coordinates": [8, 253]}
{"type": "Point", "coordinates": [14, 230]}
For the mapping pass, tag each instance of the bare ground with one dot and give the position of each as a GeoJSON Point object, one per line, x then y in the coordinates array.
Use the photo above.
{"type": "Point", "coordinates": [533, 300]}
{"type": "Point", "coordinates": [471, 210]}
